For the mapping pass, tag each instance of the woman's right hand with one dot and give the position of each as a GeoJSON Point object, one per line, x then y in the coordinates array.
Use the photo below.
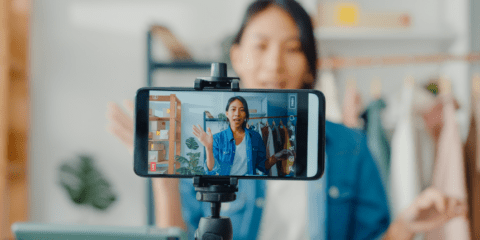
{"type": "Point", "coordinates": [205, 138]}
{"type": "Point", "coordinates": [166, 193]}
{"type": "Point", "coordinates": [121, 123]}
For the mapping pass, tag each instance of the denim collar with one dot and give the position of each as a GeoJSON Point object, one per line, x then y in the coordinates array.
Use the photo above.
{"type": "Point", "coordinates": [230, 133]}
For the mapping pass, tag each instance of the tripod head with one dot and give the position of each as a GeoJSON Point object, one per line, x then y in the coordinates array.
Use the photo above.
{"type": "Point", "coordinates": [218, 79]}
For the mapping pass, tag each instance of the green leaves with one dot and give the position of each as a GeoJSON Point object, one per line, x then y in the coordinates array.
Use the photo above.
{"type": "Point", "coordinates": [222, 116]}
{"type": "Point", "coordinates": [191, 143]}
{"type": "Point", "coordinates": [190, 166]}
{"type": "Point", "coordinates": [85, 184]}
{"type": "Point", "coordinates": [184, 171]}
{"type": "Point", "coordinates": [181, 160]}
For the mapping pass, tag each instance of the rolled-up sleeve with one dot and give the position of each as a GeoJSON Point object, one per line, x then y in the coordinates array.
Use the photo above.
{"type": "Point", "coordinates": [261, 155]}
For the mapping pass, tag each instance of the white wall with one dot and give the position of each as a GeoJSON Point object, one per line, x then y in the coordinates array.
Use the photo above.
{"type": "Point", "coordinates": [83, 55]}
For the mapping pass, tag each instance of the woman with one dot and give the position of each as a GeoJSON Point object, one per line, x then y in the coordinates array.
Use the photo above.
{"type": "Point", "coordinates": [236, 151]}
{"type": "Point", "coordinates": [275, 48]}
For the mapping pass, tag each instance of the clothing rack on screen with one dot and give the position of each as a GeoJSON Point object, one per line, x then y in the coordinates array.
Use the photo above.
{"type": "Point", "coordinates": [209, 119]}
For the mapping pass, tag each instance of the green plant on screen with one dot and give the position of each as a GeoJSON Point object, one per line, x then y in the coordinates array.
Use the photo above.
{"type": "Point", "coordinates": [190, 166]}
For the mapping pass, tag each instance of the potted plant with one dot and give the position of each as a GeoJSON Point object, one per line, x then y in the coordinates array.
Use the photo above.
{"type": "Point", "coordinates": [190, 166]}
{"type": "Point", "coordinates": [85, 184]}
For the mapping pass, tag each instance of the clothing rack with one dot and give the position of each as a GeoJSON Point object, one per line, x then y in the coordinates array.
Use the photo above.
{"type": "Point", "coordinates": [333, 63]}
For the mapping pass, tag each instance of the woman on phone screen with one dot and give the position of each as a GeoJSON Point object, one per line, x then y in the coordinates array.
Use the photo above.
{"type": "Point", "coordinates": [236, 151]}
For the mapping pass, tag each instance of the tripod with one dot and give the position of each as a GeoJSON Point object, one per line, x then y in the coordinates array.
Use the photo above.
{"type": "Point", "coordinates": [215, 189]}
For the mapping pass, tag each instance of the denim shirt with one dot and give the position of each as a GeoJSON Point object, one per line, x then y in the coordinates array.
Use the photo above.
{"type": "Point", "coordinates": [356, 202]}
{"type": "Point", "coordinates": [224, 152]}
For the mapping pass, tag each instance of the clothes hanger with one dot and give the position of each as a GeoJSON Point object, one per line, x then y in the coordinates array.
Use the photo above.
{"type": "Point", "coordinates": [445, 86]}
{"type": "Point", "coordinates": [376, 88]}
{"type": "Point", "coordinates": [351, 83]}
{"type": "Point", "coordinates": [476, 84]}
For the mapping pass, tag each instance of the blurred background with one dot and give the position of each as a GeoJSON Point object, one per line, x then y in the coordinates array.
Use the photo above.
{"type": "Point", "coordinates": [62, 61]}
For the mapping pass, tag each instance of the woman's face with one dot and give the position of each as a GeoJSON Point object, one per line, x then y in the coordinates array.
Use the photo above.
{"type": "Point", "coordinates": [269, 54]}
{"type": "Point", "coordinates": [236, 114]}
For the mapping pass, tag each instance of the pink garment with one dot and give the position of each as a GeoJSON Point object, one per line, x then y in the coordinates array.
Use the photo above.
{"type": "Point", "coordinates": [352, 107]}
{"type": "Point", "coordinates": [449, 173]}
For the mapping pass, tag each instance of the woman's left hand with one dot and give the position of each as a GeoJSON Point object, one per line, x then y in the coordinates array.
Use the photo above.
{"type": "Point", "coordinates": [430, 210]}
{"type": "Point", "coordinates": [283, 155]}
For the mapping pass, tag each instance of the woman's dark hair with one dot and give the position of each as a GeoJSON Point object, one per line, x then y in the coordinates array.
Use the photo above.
{"type": "Point", "coordinates": [245, 107]}
{"type": "Point", "coordinates": [303, 22]}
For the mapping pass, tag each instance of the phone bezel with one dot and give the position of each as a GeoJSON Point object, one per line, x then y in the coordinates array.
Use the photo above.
{"type": "Point", "coordinates": [142, 124]}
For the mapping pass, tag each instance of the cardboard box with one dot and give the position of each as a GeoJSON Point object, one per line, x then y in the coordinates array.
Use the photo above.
{"type": "Point", "coordinates": [156, 146]}
{"type": "Point", "coordinates": [163, 134]}
{"type": "Point", "coordinates": [161, 125]}
{"type": "Point", "coordinates": [162, 155]}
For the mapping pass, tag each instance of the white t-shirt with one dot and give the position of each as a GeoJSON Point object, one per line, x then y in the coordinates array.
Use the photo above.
{"type": "Point", "coordinates": [239, 166]}
{"type": "Point", "coordinates": [285, 212]}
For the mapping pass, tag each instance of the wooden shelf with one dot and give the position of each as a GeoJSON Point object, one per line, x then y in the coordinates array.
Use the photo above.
{"type": "Point", "coordinates": [375, 34]}
{"type": "Point", "coordinates": [161, 140]}
{"type": "Point", "coordinates": [173, 126]}
{"type": "Point", "coordinates": [162, 119]}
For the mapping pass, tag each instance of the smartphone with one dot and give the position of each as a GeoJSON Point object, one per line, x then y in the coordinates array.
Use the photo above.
{"type": "Point", "coordinates": [251, 133]}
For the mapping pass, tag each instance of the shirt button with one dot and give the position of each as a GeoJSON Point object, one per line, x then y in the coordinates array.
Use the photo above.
{"type": "Point", "coordinates": [260, 202]}
{"type": "Point", "coordinates": [333, 192]}
{"type": "Point", "coordinates": [225, 206]}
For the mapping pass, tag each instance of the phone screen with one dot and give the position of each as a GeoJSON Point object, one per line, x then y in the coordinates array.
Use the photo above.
{"type": "Point", "coordinates": [224, 133]}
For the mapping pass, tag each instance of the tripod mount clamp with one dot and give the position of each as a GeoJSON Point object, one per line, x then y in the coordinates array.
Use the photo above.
{"type": "Point", "coordinates": [218, 79]}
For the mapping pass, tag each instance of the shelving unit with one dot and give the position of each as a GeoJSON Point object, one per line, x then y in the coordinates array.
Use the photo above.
{"type": "Point", "coordinates": [174, 131]}
{"type": "Point", "coordinates": [152, 66]}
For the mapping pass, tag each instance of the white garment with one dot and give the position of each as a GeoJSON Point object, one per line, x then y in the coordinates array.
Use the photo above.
{"type": "Point", "coordinates": [326, 84]}
{"type": "Point", "coordinates": [285, 212]}
{"type": "Point", "coordinates": [239, 166]}
{"type": "Point", "coordinates": [423, 101]}
{"type": "Point", "coordinates": [404, 177]}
